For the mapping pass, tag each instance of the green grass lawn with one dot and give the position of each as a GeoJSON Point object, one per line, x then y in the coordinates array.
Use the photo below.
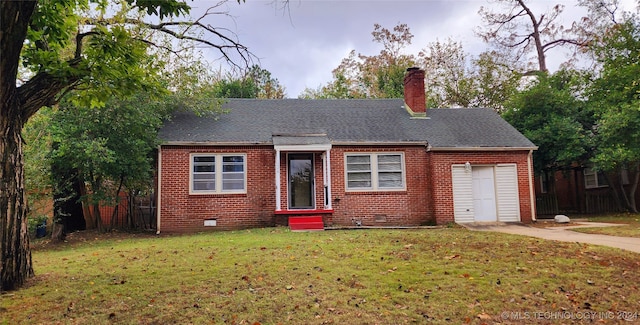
{"type": "Point", "coordinates": [630, 227]}
{"type": "Point", "coordinates": [274, 276]}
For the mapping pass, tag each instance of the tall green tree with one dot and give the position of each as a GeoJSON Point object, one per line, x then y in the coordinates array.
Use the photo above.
{"type": "Point", "coordinates": [453, 78]}
{"type": "Point", "coordinates": [109, 148]}
{"type": "Point", "coordinates": [615, 98]}
{"type": "Point", "coordinates": [456, 79]}
{"type": "Point", "coordinates": [551, 116]}
{"type": "Point", "coordinates": [62, 50]}
{"type": "Point", "coordinates": [254, 83]}
{"type": "Point", "coordinates": [375, 76]}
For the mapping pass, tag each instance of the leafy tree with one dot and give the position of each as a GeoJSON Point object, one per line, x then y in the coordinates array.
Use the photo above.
{"type": "Point", "coordinates": [110, 148]}
{"type": "Point", "coordinates": [551, 116]}
{"type": "Point", "coordinates": [455, 79]}
{"type": "Point", "coordinates": [267, 86]}
{"type": "Point", "coordinates": [256, 83]}
{"type": "Point", "coordinates": [63, 50]}
{"type": "Point", "coordinates": [452, 78]}
{"type": "Point", "coordinates": [377, 76]}
{"type": "Point", "coordinates": [615, 97]}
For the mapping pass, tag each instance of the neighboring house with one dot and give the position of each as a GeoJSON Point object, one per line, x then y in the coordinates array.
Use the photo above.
{"type": "Point", "coordinates": [352, 162]}
{"type": "Point", "coordinates": [578, 190]}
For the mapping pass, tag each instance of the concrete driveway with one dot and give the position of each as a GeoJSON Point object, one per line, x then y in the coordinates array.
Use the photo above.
{"type": "Point", "coordinates": [562, 233]}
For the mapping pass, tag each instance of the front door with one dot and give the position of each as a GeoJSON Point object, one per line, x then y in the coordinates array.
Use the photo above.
{"type": "Point", "coordinates": [484, 194]}
{"type": "Point", "coordinates": [301, 193]}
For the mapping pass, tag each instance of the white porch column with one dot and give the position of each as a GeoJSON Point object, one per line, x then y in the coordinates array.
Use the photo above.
{"type": "Point", "coordinates": [277, 169]}
{"type": "Point", "coordinates": [327, 177]}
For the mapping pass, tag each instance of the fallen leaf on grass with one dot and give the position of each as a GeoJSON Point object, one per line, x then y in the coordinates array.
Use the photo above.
{"type": "Point", "coordinates": [452, 256]}
{"type": "Point", "coordinates": [484, 316]}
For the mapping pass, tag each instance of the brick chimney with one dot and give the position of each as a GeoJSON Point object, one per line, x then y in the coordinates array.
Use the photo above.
{"type": "Point", "coordinates": [414, 98]}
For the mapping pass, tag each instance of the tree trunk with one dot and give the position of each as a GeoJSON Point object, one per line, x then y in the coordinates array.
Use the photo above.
{"type": "Point", "coordinates": [97, 217]}
{"type": "Point", "coordinates": [633, 188]}
{"type": "Point", "coordinates": [67, 209]}
{"type": "Point", "coordinates": [16, 265]}
{"type": "Point", "coordinates": [535, 23]}
{"type": "Point", "coordinates": [14, 237]}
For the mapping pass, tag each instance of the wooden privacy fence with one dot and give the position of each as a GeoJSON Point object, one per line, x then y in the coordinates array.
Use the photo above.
{"type": "Point", "coordinates": [547, 204]}
{"type": "Point", "coordinates": [600, 203]}
{"type": "Point", "coordinates": [132, 212]}
{"type": "Point", "coordinates": [594, 203]}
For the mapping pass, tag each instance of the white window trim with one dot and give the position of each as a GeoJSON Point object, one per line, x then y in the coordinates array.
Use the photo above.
{"type": "Point", "coordinates": [218, 168]}
{"type": "Point", "coordinates": [594, 174]}
{"type": "Point", "coordinates": [374, 172]}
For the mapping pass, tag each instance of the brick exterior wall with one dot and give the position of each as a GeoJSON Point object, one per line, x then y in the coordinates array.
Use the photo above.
{"type": "Point", "coordinates": [182, 212]}
{"type": "Point", "coordinates": [442, 195]}
{"type": "Point", "coordinates": [427, 198]}
{"type": "Point", "coordinates": [410, 207]}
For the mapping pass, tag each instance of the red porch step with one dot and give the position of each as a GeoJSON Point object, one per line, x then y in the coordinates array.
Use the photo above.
{"type": "Point", "coordinates": [306, 223]}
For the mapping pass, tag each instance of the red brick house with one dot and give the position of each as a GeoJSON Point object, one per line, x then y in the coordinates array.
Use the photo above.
{"type": "Point", "coordinates": [369, 162]}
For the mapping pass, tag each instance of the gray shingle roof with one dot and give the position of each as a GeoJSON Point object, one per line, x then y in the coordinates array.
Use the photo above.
{"type": "Point", "coordinates": [348, 121]}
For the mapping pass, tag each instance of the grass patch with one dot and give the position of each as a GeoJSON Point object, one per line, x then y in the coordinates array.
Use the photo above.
{"type": "Point", "coordinates": [630, 227]}
{"type": "Point", "coordinates": [274, 276]}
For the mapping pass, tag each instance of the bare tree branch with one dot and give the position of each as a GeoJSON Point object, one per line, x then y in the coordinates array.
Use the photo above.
{"type": "Point", "coordinates": [226, 41]}
{"type": "Point", "coordinates": [79, 38]}
{"type": "Point", "coordinates": [517, 27]}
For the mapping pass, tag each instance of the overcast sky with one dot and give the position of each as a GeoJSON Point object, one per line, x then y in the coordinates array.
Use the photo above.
{"type": "Point", "coordinates": [302, 45]}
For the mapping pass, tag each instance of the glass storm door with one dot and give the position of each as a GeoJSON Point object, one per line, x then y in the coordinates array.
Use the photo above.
{"type": "Point", "coordinates": [301, 194]}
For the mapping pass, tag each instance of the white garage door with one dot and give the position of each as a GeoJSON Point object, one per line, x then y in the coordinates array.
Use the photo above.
{"type": "Point", "coordinates": [485, 193]}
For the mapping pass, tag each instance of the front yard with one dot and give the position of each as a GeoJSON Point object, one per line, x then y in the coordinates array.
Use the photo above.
{"type": "Point", "coordinates": [274, 276]}
{"type": "Point", "coordinates": [630, 225]}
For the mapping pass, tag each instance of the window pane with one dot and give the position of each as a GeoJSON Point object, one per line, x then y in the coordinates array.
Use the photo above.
{"type": "Point", "coordinates": [390, 180]}
{"type": "Point", "coordinates": [389, 159]}
{"type": "Point", "coordinates": [233, 164]}
{"type": "Point", "coordinates": [232, 173]}
{"type": "Point", "coordinates": [232, 185]}
{"type": "Point", "coordinates": [204, 176]}
{"type": "Point", "coordinates": [233, 159]}
{"type": "Point", "coordinates": [204, 185]}
{"type": "Point", "coordinates": [602, 179]}
{"type": "Point", "coordinates": [359, 180]}
{"type": "Point", "coordinates": [204, 164]}
{"type": "Point", "coordinates": [232, 181]}
{"type": "Point", "coordinates": [358, 159]}
{"type": "Point", "coordinates": [389, 163]}
{"type": "Point", "coordinates": [210, 159]}
{"type": "Point", "coordinates": [358, 163]}
{"type": "Point", "coordinates": [204, 169]}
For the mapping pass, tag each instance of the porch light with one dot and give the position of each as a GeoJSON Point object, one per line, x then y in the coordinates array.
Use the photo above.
{"type": "Point", "coordinates": [467, 167]}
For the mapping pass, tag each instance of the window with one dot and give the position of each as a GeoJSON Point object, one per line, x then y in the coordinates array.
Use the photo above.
{"type": "Point", "coordinates": [544, 182]}
{"type": "Point", "coordinates": [594, 179]}
{"type": "Point", "coordinates": [377, 172]}
{"type": "Point", "coordinates": [211, 174]}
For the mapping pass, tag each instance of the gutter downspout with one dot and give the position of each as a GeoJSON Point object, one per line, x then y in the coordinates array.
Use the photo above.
{"type": "Point", "coordinates": [159, 191]}
{"type": "Point", "coordinates": [277, 180]}
{"type": "Point", "coordinates": [532, 194]}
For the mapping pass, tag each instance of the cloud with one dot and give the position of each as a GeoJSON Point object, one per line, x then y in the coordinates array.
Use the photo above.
{"type": "Point", "coordinates": [302, 43]}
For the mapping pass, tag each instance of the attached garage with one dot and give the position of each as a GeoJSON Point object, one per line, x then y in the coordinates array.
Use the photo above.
{"type": "Point", "coordinates": [485, 193]}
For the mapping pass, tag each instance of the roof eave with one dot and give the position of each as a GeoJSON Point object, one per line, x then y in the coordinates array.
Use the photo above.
{"type": "Point", "coordinates": [482, 148]}
{"type": "Point", "coordinates": [334, 143]}
{"type": "Point", "coordinates": [212, 143]}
